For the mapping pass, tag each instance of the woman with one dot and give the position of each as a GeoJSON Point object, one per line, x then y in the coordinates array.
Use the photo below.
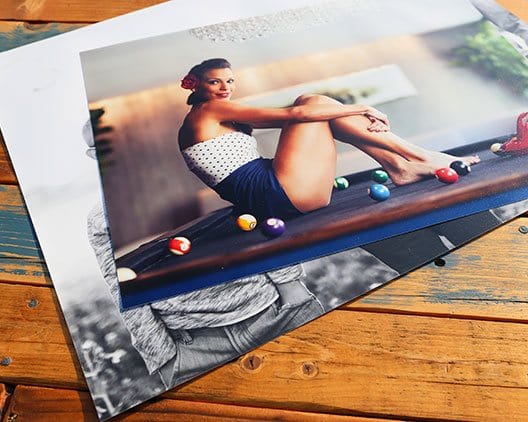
{"type": "Point", "coordinates": [216, 143]}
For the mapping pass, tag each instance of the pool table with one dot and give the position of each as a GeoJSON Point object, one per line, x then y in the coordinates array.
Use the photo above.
{"type": "Point", "coordinates": [222, 252]}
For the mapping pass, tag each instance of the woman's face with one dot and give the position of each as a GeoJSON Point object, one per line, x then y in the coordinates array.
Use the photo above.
{"type": "Point", "coordinates": [217, 84]}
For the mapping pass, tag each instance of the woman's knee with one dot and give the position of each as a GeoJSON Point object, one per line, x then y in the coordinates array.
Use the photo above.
{"type": "Point", "coordinates": [314, 99]}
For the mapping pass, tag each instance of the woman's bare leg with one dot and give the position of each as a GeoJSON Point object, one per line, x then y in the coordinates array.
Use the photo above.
{"type": "Point", "coordinates": [305, 164]}
{"type": "Point", "coordinates": [406, 162]}
{"type": "Point", "coordinates": [305, 161]}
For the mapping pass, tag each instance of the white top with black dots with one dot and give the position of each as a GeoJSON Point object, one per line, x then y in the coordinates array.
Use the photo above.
{"type": "Point", "coordinates": [215, 159]}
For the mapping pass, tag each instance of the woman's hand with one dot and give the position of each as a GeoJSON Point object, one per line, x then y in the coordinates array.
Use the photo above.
{"type": "Point", "coordinates": [379, 121]}
{"type": "Point", "coordinates": [377, 125]}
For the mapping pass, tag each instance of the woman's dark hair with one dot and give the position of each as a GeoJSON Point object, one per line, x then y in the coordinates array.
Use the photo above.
{"type": "Point", "coordinates": [199, 71]}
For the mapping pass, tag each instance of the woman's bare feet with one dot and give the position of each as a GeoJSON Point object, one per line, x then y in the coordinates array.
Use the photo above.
{"type": "Point", "coordinates": [404, 172]}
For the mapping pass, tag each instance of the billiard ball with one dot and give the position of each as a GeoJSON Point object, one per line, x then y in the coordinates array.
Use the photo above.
{"type": "Point", "coordinates": [496, 148]}
{"type": "Point", "coordinates": [273, 227]}
{"type": "Point", "coordinates": [125, 274]}
{"type": "Point", "coordinates": [379, 176]}
{"type": "Point", "coordinates": [446, 175]}
{"type": "Point", "coordinates": [179, 245]}
{"type": "Point", "coordinates": [246, 222]}
{"type": "Point", "coordinates": [379, 192]}
{"type": "Point", "coordinates": [340, 183]}
{"type": "Point", "coordinates": [460, 167]}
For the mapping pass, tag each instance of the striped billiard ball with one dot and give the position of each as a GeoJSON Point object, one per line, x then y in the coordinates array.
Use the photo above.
{"type": "Point", "coordinates": [273, 227]}
{"type": "Point", "coordinates": [179, 245]}
{"type": "Point", "coordinates": [340, 183]}
{"type": "Point", "coordinates": [246, 222]}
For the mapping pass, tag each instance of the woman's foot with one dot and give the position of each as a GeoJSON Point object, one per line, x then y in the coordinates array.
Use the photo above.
{"type": "Point", "coordinates": [440, 159]}
{"type": "Point", "coordinates": [404, 172]}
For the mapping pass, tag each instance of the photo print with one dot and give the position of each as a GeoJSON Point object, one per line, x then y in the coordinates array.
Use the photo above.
{"type": "Point", "coordinates": [129, 356]}
{"type": "Point", "coordinates": [320, 129]}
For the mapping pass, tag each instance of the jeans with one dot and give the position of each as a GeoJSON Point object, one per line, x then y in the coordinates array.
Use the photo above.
{"type": "Point", "coordinates": [202, 349]}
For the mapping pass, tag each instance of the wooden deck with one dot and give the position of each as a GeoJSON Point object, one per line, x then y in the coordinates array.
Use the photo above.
{"type": "Point", "coordinates": [446, 342]}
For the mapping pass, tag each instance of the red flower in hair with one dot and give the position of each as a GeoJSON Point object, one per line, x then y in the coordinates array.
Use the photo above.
{"type": "Point", "coordinates": [190, 81]}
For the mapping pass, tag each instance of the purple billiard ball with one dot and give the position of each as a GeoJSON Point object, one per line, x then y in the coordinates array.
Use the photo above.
{"type": "Point", "coordinates": [273, 227]}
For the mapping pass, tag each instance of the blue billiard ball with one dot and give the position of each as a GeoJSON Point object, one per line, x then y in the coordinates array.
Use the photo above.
{"type": "Point", "coordinates": [273, 227]}
{"type": "Point", "coordinates": [379, 192]}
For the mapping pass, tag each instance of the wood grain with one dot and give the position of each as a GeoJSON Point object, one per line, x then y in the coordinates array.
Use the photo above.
{"type": "Point", "coordinates": [423, 367]}
{"type": "Point", "coordinates": [7, 174]}
{"type": "Point", "coordinates": [35, 340]}
{"type": "Point", "coordinates": [20, 257]}
{"type": "Point", "coordinates": [69, 10]}
{"type": "Point", "coordinates": [29, 403]}
{"type": "Point", "coordinates": [16, 34]}
{"type": "Point", "coordinates": [344, 362]}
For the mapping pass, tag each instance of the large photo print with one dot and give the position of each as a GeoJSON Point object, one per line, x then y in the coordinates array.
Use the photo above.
{"type": "Point", "coordinates": [320, 129]}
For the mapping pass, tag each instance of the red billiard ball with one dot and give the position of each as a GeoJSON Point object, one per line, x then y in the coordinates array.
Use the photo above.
{"type": "Point", "coordinates": [273, 227]}
{"type": "Point", "coordinates": [179, 245]}
{"type": "Point", "coordinates": [446, 175]}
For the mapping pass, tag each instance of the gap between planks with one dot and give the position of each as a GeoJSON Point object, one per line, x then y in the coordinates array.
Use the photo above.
{"type": "Point", "coordinates": [30, 402]}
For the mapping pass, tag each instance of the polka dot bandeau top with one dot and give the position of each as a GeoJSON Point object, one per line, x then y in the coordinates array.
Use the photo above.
{"type": "Point", "coordinates": [215, 159]}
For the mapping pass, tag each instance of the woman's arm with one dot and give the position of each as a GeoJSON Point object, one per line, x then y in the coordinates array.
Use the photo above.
{"type": "Point", "coordinates": [232, 111]}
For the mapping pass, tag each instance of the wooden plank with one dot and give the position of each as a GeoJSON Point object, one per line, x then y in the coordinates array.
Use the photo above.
{"type": "Point", "coordinates": [415, 367]}
{"type": "Point", "coordinates": [7, 174]}
{"type": "Point", "coordinates": [483, 279]}
{"type": "Point", "coordinates": [15, 34]}
{"type": "Point", "coordinates": [20, 257]}
{"type": "Point", "coordinates": [30, 403]}
{"type": "Point", "coordinates": [69, 10]}
{"type": "Point", "coordinates": [344, 362]}
{"type": "Point", "coordinates": [34, 339]}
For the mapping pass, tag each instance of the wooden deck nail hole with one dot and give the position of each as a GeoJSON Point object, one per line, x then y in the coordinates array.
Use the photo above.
{"type": "Point", "coordinates": [6, 361]}
{"type": "Point", "coordinates": [251, 362]}
{"type": "Point", "coordinates": [440, 262]}
{"type": "Point", "coordinates": [33, 303]}
{"type": "Point", "coordinates": [309, 369]}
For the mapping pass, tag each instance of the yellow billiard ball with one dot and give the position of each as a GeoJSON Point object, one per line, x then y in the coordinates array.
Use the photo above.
{"type": "Point", "coordinates": [246, 222]}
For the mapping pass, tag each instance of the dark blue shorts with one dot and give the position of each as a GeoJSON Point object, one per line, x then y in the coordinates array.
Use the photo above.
{"type": "Point", "coordinates": [254, 189]}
